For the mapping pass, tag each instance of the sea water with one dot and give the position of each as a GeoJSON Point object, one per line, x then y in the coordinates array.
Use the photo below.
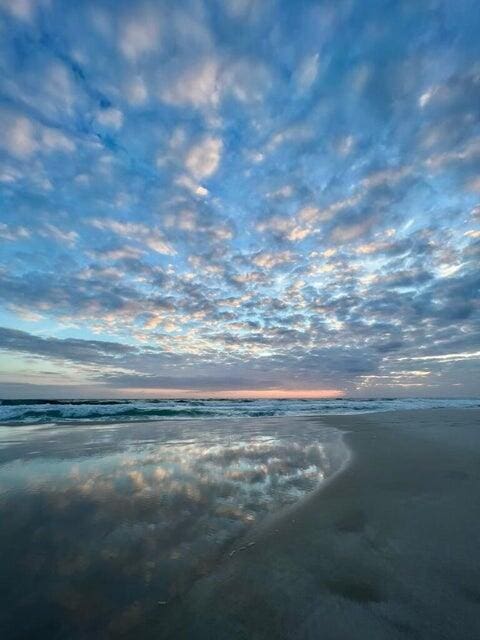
{"type": "Point", "coordinates": [45, 411]}
{"type": "Point", "coordinates": [102, 524]}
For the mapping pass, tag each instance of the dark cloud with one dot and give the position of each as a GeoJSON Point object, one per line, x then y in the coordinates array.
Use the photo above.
{"type": "Point", "coordinates": [90, 351]}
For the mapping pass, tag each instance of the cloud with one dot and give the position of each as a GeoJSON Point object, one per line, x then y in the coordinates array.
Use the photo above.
{"type": "Point", "coordinates": [66, 237]}
{"type": "Point", "coordinates": [345, 145]}
{"type": "Point", "coordinates": [351, 231]}
{"type": "Point", "coordinates": [307, 72]}
{"type": "Point", "coordinates": [308, 220]}
{"type": "Point", "coordinates": [121, 253]}
{"type": "Point", "coordinates": [19, 137]}
{"type": "Point", "coordinates": [191, 185]}
{"type": "Point", "coordinates": [90, 351]}
{"type": "Point", "coordinates": [136, 91]}
{"type": "Point", "coordinates": [150, 237]}
{"type": "Point", "coordinates": [110, 118]}
{"type": "Point", "coordinates": [272, 260]}
{"type": "Point", "coordinates": [387, 177]}
{"type": "Point", "coordinates": [139, 34]}
{"type": "Point", "coordinates": [23, 138]}
{"type": "Point", "coordinates": [13, 233]}
{"type": "Point", "coordinates": [197, 85]}
{"type": "Point", "coordinates": [210, 80]}
{"type": "Point", "coordinates": [203, 158]}
{"type": "Point", "coordinates": [21, 9]}
{"type": "Point", "coordinates": [57, 141]}
{"type": "Point", "coordinates": [248, 207]}
{"type": "Point", "coordinates": [469, 152]}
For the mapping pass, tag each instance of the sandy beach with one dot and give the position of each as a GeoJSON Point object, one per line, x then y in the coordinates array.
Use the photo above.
{"type": "Point", "coordinates": [388, 549]}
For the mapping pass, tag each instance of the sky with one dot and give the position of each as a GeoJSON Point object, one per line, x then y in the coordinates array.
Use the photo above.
{"type": "Point", "coordinates": [239, 198]}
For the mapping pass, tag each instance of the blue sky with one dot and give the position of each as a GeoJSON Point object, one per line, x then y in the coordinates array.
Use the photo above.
{"type": "Point", "coordinates": [239, 196]}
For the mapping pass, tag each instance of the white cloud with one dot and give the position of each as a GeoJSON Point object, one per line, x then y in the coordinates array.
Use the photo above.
{"type": "Point", "coordinates": [295, 134]}
{"type": "Point", "coordinates": [101, 21]}
{"type": "Point", "coordinates": [82, 179]}
{"type": "Point", "coordinates": [247, 80]}
{"type": "Point", "coordinates": [9, 175]}
{"type": "Point", "coordinates": [386, 177]}
{"type": "Point", "coordinates": [60, 90]}
{"type": "Point", "coordinates": [255, 156]}
{"type": "Point", "coordinates": [189, 221]}
{"type": "Point", "coordinates": [289, 228]}
{"type": "Point", "coordinates": [56, 141]}
{"type": "Point", "coordinates": [49, 91]}
{"type": "Point", "coordinates": [197, 85]}
{"type": "Point", "coordinates": [124, 253]}
{"type": "Point", "coordinates": [439, 92]}
{"type": "Point", "coordinates": [470, 151]}
{"type": "Point", "coordinates": [283, 192]}
{"type": "Point", "coordinates": [447, 357]}
{"type": "Point", "coordinates": [188, 22]}
{"type": "Point", "coordinates": [203, 159]}
{"type": "Point", "coordinates": [185, 220]}
{"type": "Point", "coordinates": [312, 214]}
{"type": "Point", "coordinates": [307, 72]}
{"type": "Point", "coordinates": [110, 118]}
{"type": "Point", "coordinates": [239, 8]}
{"type": "Point", "coordinates": [65, 237]}
{"type": "Point", "coordinates": [139, 35]}
{"type": "Point", "coordinates": [307, 220]}
{"type": "Point", "coordinates": [270, 260]}
{"type": "Point", "coordinates": [136, 91]}
{"type": "Point", "coordinates": [13, 233]}
{"type": "Point", "coordinates": [349, 232]}
{"type": "Point", "coordinates": [345, 145]}
{"type": "Point", "coordinates": [21, 9]}
{"type": "Point", "coordinates": [19, 137]}
{"type": "Point", "coordinates": [425, 98]}
{"type": "Point", "coordinates": [178, 138]}
{"type": "Point", "coordinates": [474, 184]}
{"type": "Point", "coordinates": [204, 84]}
{"type": "Point", "coordinates": [370, 248]}
{"type": "Point", "coordinates": [191, 185]}
{"type": "Point", "coordinates": [22, 137]}
{"type": "Point", "coordinates": [359, 77]}
{"type": "Point", "coordinates": [148, 236]}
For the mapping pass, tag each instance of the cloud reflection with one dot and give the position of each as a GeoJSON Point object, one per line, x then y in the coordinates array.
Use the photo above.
{"type": "Point", "coordinates": [105, 523]}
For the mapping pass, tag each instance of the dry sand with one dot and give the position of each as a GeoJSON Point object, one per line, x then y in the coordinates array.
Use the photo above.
{"type": "Point", "coordinates": [390, 549]}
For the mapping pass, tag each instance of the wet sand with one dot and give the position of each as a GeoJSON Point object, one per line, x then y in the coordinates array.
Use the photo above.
{"type": "Point", "coordinates": [388, 549]}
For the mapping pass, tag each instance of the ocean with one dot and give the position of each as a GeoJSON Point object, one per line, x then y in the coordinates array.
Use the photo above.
{"type": "Point", "coordinates": [38, 411]}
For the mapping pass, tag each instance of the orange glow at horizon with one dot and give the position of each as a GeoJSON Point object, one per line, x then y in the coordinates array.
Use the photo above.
{"type": "Point", "coordinates": [260, 394]}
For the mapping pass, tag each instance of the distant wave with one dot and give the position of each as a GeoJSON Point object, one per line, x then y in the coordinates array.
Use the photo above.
{"type": "Point", "coordinates": [42, 411]}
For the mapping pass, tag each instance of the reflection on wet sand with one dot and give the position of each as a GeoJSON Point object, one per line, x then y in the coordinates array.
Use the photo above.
{"type": "Point", "coordinates": [104, 524]}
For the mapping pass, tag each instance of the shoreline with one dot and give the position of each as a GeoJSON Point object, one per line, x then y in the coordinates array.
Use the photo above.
{"type": "Point", "coordinates": [386, 549]}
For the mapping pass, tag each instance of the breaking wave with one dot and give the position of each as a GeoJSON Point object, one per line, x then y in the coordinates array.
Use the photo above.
{"type": "Point", "coordinates": [43, 411]}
